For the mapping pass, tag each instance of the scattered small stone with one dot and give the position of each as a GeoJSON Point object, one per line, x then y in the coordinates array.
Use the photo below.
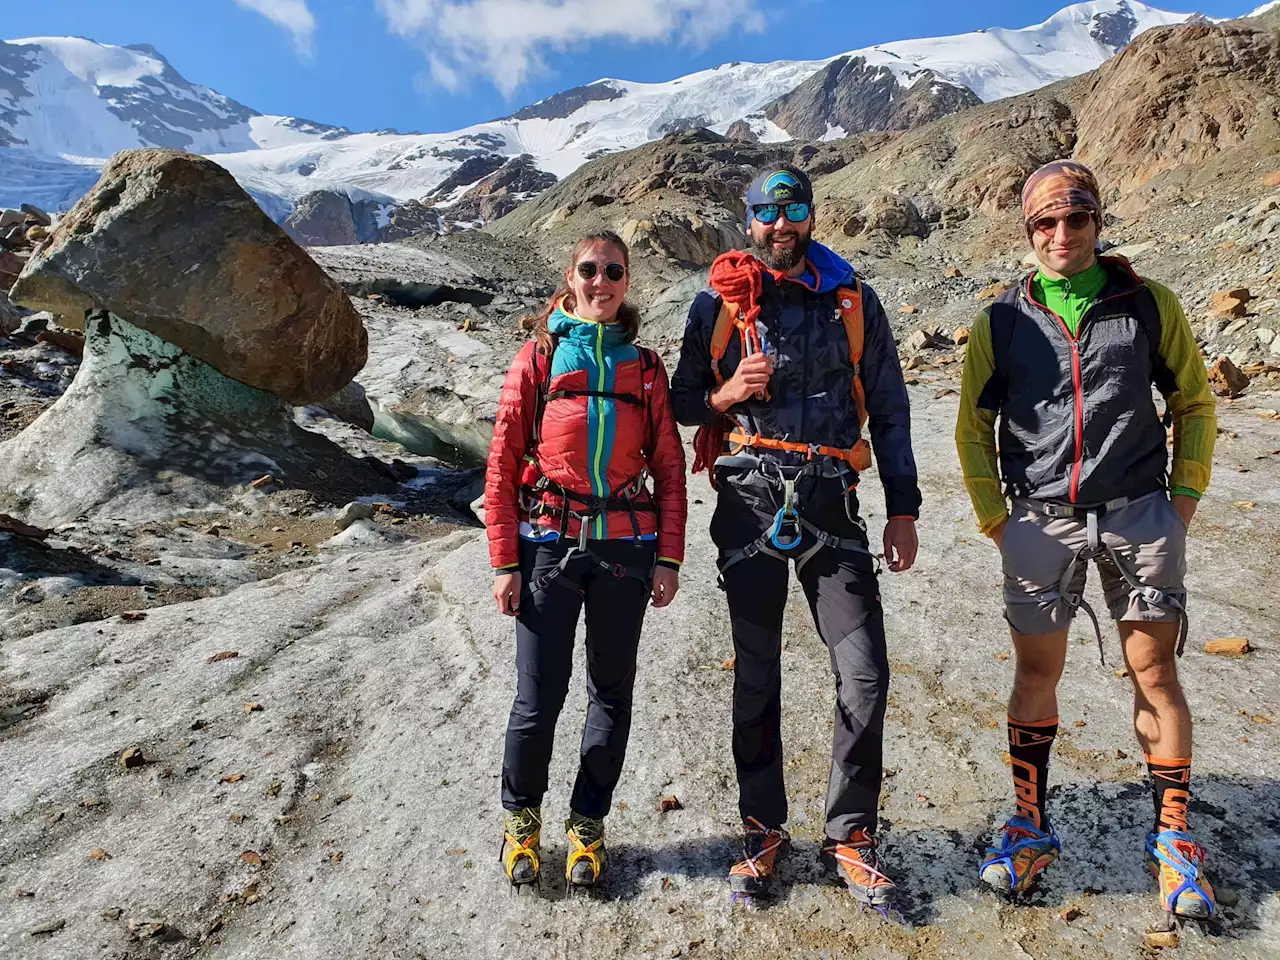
{"type": "Point", "coordinates": [960, 336]}
{"type": "Point", "coordinates": [1230, 303]}
{"type": "Point", "coordinates": [335, 856]}
{"type": "Point", "coordinates": [224, 655]}
{"type": "Point", "coordinates": [131, 758]}
{"type": "Point", "coordinates": [266, 480]}
{"type": "Point", "coordinates": [1070, 913]}
{"type": "Point", "coordinates": [952, 273]}
{"type": "Point", "coordinates": [1226, 379]}
{"type": "Point", "coordinates": [1226, 896]}
{"type": "Point", "coordinates": [730, 663]}
{"type": "Point", "coordinates": [1161, 939]}
{"type": "Point", "coordinates": [231, 778]}
{"type": "Point", "coordinates": [20, 893]}
{"type": "Point", "coordinates": [252, 857]}
{"type": "Point", "coordinates": [134, 616]}
{"type": "Point", "coordinates": [1121, 755]}
{"type": "Point", "coordinates": [112, 913]}
{"type": "Point", "coordinates": [992, 291]}
{"type": "Point", "coordinates": [47, 928]}
{"type": "Point", "coordinates": [908, 308]}
{"type": "Point", "coordinates": [341, 799]}
{"type": "Point", "coordinates": [252, 707]}
{"type": "Point", "coordinates": [667, 804]}
{"type": "Point", "coordinates": [97, 853]}
{"type": "Point", "coordinates": [1228, 647]}
{"type": "Point", "coordinates": [145, 928]}
{"type": "Point", "coordinates": [351, 513]}
{"type": "Point", "coordinates": [275, 788]}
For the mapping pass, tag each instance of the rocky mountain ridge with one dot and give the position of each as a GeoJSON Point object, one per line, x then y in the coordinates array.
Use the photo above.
{"type": "Point", "coordinates": [279, 160]}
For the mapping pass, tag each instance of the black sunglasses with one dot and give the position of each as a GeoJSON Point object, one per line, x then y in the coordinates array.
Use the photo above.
{"type": "Point", "coordinates": [612, 271]}
{"type": "Point", "coordinates": [1074, 221]}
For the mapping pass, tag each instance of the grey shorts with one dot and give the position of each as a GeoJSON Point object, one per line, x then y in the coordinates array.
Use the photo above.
{"type": "Point", "coordinates": [1148, 537]}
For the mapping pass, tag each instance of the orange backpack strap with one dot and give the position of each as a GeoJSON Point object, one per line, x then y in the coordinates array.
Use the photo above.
{"type": "Point", "coordinates": [726, 323]}
{"type": "Point", "coordinates": [849, 301]}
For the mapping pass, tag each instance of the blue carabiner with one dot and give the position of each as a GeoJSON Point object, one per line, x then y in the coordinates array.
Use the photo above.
{"type": "Point", "coordinates": [774, 535]}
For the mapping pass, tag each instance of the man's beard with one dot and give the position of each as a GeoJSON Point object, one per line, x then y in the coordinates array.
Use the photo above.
{"type": "Point", "coordinates": [781, 259]}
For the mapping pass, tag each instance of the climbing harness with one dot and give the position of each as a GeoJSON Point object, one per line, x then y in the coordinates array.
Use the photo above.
{"type": "Point", "coordinates": [1095, 548]}
{"type": "Point", "coordinates": [783, 539]}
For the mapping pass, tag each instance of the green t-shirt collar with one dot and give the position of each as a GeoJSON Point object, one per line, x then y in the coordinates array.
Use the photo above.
{"type": "Point", "coordinates": [1070, 297]}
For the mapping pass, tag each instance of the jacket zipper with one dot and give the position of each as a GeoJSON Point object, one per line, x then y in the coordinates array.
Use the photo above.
{"type": "Point", "coordinates": [602, 489]}
{"type": "Point", "coordinates": [1075, 375]}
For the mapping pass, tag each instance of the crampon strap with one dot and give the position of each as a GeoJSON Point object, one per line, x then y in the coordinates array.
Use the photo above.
{"type": "Point", "coordinates": [1165, 849]}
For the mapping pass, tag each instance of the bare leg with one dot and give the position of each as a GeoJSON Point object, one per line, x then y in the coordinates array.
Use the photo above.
{"type": "Point", "coordinates": [1160, 715]}
{"type": "Point", "coordinates": [1040, 658]}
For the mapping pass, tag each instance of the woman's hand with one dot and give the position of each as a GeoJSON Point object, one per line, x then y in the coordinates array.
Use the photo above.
{"type": "Point", "coordinates": [506, 593]}
{"type": "Point", "coordinates": [665, 584]}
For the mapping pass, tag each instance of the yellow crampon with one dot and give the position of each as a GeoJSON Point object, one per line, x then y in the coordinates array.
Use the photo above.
{"type": "Point", "coordinates": [521, 834]}
{"type": "Point", "coordinates": [586, 842]}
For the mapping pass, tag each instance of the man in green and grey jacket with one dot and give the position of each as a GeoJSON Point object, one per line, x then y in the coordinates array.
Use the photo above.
{"type": "Point", "coordinates": [1064, 364]}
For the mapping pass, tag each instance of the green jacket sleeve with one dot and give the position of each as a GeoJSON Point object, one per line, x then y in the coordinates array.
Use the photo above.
{"type": "Point", "coordinates": [976, 430]}
{"type": "Point", "coordinates": [1194, 410]}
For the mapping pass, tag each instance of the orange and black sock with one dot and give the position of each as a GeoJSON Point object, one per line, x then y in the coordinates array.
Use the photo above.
{"type": "Point", "coordinates": [1030, 742]}
{"type": "Point", "coordinates": [1171, 784]}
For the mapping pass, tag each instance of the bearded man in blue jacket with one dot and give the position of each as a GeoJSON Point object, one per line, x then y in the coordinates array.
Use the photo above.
{"type": "Point", "coordinates": [770, 366]}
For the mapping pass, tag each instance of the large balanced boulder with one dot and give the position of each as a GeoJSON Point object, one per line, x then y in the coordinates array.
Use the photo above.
{"type": "Point", "coordinates": [170, 241]}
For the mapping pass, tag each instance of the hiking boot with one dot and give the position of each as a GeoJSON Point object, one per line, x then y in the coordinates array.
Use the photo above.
{"type": "Point", "coordinates": [1176, 860]}
{"type": "Point", "coordinates": [522, 830]}
{"type": "Point", "coordinates": [762, 848]}
{"type": "Point", "coordinates": [857, 864]}
{"type": "Point", "coordinates": [1023, 853]}
{"type": "Point", "coordinates": [586, 861]}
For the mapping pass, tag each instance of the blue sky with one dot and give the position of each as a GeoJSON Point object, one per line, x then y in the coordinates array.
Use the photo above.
{"type": "Point", "coordinates": [434, 65]}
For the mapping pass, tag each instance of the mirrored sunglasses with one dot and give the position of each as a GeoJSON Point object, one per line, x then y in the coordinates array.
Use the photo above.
{"type": "Point", "coordinates": [612, 271]}
{"type": "Point", "coordinates": [768, 212]}
{"type": "Point", "coordinates": [1077, 220]}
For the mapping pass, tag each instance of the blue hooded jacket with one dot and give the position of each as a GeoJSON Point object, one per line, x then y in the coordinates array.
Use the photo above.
{"type": "Point", "coordinates": [810, 396]}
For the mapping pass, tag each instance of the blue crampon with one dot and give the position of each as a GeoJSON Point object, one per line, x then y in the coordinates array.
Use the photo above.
{"type": "Point", "coordinates": [1024, 851]}
{"type": "Point", "coordinates": [1177, 861]}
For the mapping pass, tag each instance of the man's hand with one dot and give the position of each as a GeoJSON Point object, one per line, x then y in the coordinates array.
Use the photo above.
{"type": "Point", "coordinates": [997, 535]}
{"type": "Point", "coordinates": [665, 584]}
{"type": "Point", "coordinates": [506, 593]}
{"type": "Point", "coordinates": [751, 377]}
{"type": "Point", "coordinates": [1186, 507]}
{"type": "Point", "coordinates": [900, 543]}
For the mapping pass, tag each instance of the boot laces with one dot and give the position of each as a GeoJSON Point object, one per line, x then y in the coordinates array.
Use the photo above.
{"type": "Point", "coordinates": [758, 843]}
{"type": "Point", "coordinates": [524, 823]}
{"type": "Point", "coordinates": [587, 829]}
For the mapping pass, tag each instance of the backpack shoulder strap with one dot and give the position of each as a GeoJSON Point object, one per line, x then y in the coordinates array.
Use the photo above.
{"type": "Point", "coordinates": [849, 302]}
{"type": "Point", "coordinates": [721, 334]}
{"type": "Point", "coordinates": [544, 388]}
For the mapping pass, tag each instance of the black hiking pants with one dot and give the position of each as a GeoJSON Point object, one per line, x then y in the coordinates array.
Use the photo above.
{"type": "Point", "coordinates": [844, 596]}
{"type": "Point", "coordinates": [545, 628]}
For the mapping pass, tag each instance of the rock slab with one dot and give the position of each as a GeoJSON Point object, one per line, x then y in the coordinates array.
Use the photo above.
{"type": "Point", "coordinates": [171, 241]}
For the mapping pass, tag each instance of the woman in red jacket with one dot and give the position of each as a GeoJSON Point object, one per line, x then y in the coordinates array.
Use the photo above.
{"type": "Point", "coordinates": [582, 424]}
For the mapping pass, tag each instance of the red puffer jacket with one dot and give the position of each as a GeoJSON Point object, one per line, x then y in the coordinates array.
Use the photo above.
{"type": "Point", "coordinates": [590, 445]}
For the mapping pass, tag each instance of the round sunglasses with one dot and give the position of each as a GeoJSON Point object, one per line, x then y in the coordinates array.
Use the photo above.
{"type": "Point", "coordinates": [768, 212]}
{"type": "Point", "coordinates": [612, 271]}
{"type": "Point", "coordinates": [1076, 221]}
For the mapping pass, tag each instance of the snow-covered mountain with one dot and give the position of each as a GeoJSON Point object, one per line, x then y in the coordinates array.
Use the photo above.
{"type": "Point", "coordinates": [65, 102]}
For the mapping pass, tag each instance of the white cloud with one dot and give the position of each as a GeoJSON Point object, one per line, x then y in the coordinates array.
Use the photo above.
{"type": "Point", "coordinates": [507, 41]}
{"type": "Point", "coordinates": [294, 15]}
